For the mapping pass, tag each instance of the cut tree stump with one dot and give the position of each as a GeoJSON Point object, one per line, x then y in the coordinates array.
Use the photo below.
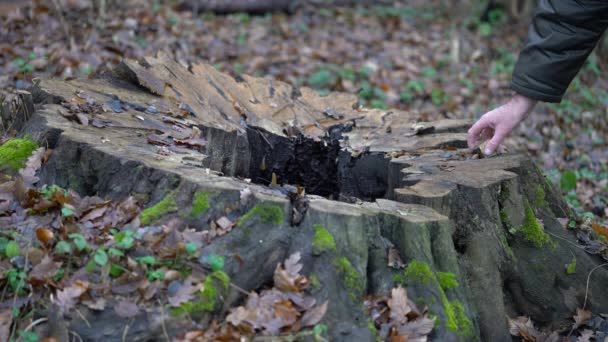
{"type": "Point", "coordinates": [375, 179]}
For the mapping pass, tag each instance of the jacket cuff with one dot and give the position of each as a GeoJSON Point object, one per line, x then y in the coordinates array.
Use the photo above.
{"type": "Point", "coordinates": [534, 94]}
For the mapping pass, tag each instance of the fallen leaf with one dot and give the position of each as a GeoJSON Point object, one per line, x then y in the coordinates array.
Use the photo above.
{"type": "Point", "coordinates": [581, 318]}
{"type": "Point", "coordinates": [126, 309]}
{"type": "Point", "coordinates": [288, 278]}
{"type": "Point", "coordinates": [44, 235]}
{"type": "Point", "coordinates": [66, 298]}
{"type": "Point", "coordinates": [586, 336]}
{"type": "Point", "coordinates": [399, 305]}
{"type": "Point", "coordinates": [28, 173]}
{"type": "Point", "coordinates": [224, 223]}
{"type": "Point", "coordinates": [523, 327]}
{"type": "Point", "coordinates": [417, 329]}
{"type": "Point", "coordinates": [314, 315]}
{"type": "Point", "coordinates": [45, 270]}
{"type": "Point", "coordinates": [184, 293]}
{"type": "Point", "coordinates": [6, 318]}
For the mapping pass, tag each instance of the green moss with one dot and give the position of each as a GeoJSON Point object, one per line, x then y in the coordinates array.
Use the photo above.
{"type": "Point", "coordinates": [464, 323]}
{"type": "Point", "coordinates": [266, 212]}
{"type": "Point", "coordinates": [506, 246]}
{"type": "Point", "coordinates": [456, 319]}
{"type": "Point", "coordinates": [200, 204]}
{"type": "Point", "coordinates": [372, 328]}
{"type": "Point", "coordinates": [418, 271]}
{"type": "Point", "coordinates": [214, 287]}
{"type": "Point", "coordinates": [15, 152]}
{"type": "Point", "coordinates": [571, 267]}
{"type": "Point", "coordinates": [315, 282]}
{"type": "Point", "coordinates": [447, 280]}
{"type": "Point", "coordinates": [533, 231]}
{"type": "Point", "coordinates": [323, 240]}
{"type": "Point", "coordinates": [504, 218]}
{"type": "Point", "coordinates": [539, 196]}
{"type": "Point", "coordinates": [352, 278]}
{"type": "Point", "coordinates": [209, 294]}
{"type": "Point", "coordinates": [165, 206]}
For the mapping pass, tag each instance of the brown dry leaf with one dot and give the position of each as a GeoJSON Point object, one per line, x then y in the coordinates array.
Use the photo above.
{"type": "Point", "coordinates": [601, 230]}
{"type": "Point", "coordinates": [44, 235]}
{"type": "Point", "coordinates": [184, 293]}
{"type": "Point", "coordinates": [98, 304]}
{"type": "Point", "coordinates": [522, 326]}
{"type": "Point", "coordinates": [288, 278]}
{"type": "Point", "coordinates": [394, 259]}
{"type": "Point", "coordinates": [28, 173]}
{"type": "Point", "coordinates": [126, 309]}
{"type": "Point", "coordinates": [45, 270]}
{"type": "Point", "coordinates": [581, 317]}
{"type": "Point", "coordinates": [417, 330]}
{"type": "Point", "coordinates": [586, 336]}
{"type": "Point", "coordinates": [67, 297]}
{"type": "Point", "coordinates": [224, 223]}
{"type": "Point", "coordinates": [398, 304]}
{"type": "Point", "coordinates": [6, 318]}
{"type": "Point", "coordinates": [286, 312]}
{"type": "Point", "coordinates": [314, 315]}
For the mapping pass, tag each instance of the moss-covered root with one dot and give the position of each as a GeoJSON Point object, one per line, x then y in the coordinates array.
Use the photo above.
{"type": "Point", "coordinates": [165, 206]}
{"type": "Point", "coordinates": [14, 154]}
{"type": "Point", "coordinates": [456, 319]}
{"type": "Point", "coordinates": [353, 281]}
{"type": "Point", "coordinates": [200, 204]}
{"type": "Point", "coordinates": [323, 241]}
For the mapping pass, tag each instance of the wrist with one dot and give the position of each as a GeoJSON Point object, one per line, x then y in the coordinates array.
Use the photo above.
{"type": "Point", "coordinates": [523, 105]}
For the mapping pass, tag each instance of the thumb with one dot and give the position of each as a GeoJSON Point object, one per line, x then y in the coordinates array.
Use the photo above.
{"type": "Point", "coordinates": [492, 145]}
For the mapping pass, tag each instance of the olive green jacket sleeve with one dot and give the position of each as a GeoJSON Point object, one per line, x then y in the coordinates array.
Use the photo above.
{"type": "Point", "coordinates": [562, 34]}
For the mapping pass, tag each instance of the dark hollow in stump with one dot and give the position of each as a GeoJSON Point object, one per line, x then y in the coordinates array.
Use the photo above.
{"type": "Point", "coordinates": [375, 179]}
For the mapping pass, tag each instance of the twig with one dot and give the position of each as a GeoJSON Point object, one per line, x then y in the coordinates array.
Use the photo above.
{"type": "Point", "coordinates": [568, 241]}
{"type": "Point", "coordinates": [75, 335]}
{"type": "Point", "coordinates": [588, 278]}
{"type": "Point", "coordinates": [83, 318]}
{"type": "Point", "coordinates": [35, 323]}
{"type": "Point", "coordinates": [162, 320]}
{"type": "Point", "coordinates": [125, 332]}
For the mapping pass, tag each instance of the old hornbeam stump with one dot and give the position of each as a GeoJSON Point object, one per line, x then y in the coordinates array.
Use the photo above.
{"type": "Point", "coordinates": [375, 180]}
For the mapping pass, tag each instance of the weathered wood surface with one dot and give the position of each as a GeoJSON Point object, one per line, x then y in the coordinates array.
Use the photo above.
{"type": "Point", "coordinates": [400, 182]}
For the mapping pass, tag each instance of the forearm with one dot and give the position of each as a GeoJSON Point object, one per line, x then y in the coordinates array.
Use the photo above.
{"type": "Point", "coordinates": [561, 36]}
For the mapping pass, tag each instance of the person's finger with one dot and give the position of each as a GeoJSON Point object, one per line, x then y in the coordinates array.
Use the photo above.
{"type": "Point", "coordinates": [474, 132]}
{"type": "Point", "coordinates": [486, 134]}
{"type": "Point", "coordinates": [499, 135]}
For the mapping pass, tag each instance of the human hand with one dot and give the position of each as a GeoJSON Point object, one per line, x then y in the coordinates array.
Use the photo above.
{"type": "Point", "coordinates": [497, 124]}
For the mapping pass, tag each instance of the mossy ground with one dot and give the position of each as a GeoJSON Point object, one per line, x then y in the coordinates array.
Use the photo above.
{"type": "Point", "coordinates": [200, 204]}
{"type": "Point", "coordinates": [267, 213]}
{"type": "Point", "coordinates": [15, 152]}
{"type": "Point", "coordinates": [420, 272]}
{"type": "Point", "coordinates": [165, 206]}
{"type": "Point", "coordinates": [352, 279]}
{"type": "Point", "coordinates": [323, 241]}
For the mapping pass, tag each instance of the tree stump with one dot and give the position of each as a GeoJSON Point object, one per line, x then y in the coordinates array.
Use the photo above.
{"type": "Point", "coordinates": [376, 180]}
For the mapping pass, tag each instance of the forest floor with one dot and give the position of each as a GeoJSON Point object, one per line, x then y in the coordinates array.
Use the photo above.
{"type": "Point", "coordinates": [428, 58]}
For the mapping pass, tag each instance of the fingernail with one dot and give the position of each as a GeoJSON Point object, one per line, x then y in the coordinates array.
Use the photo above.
{"type": "Point", "coordinates": [488, 151]}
